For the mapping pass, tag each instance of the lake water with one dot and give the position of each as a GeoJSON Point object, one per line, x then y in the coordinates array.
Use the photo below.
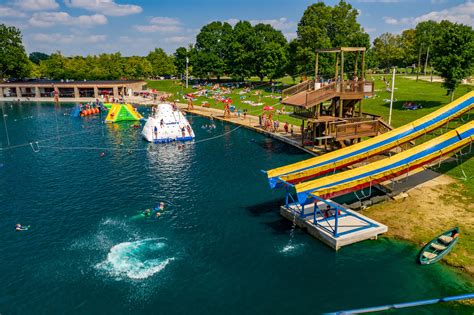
{"type": "Point", "coordinates": [220, 247]}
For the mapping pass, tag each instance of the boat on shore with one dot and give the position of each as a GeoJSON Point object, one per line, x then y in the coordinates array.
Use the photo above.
{"type": "Point", "coordinates": [438, 247]}
{"type": "Point", "coordinates": [167, 123]}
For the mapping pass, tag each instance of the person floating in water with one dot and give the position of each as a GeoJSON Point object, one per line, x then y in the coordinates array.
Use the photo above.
{"type": "Point", "coordinates": [156, 132]}
{"type": "Point", "coordinates": [159, 208]}
{"type": "Point", "coordinates": [20, 227]}
{"type": "Point", "coordinates": [147, 212]}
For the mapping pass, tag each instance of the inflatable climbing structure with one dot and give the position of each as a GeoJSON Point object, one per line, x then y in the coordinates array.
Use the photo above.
{"type": "Point", "coordinates": [122, 112]}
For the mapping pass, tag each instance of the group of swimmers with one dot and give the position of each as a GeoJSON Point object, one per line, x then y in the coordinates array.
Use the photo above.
{"type": "Point", "coordinates": [158, 209]}
{"type": "Point", "coordinates": [211, 126]}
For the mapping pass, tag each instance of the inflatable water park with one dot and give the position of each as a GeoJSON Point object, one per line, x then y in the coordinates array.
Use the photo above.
{"type": "Point", "coordinates": [167, 123]}
{"type": "Point", "coordinates": [308, 192]}
{"type": "Point", "coordinates": [87, 109]}
{"type": "Point", "coordinates": [122, 112]}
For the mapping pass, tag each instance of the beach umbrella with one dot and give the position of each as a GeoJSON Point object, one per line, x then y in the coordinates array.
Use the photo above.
{"type": "Point", "coordinates": [268, 108]}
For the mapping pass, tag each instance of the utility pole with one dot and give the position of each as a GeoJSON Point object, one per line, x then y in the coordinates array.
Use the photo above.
{"type": "Point", "coordinates": [426, 61]}
{"type": "Point", "coordinates": [391, 97]}
{"type": "Point", "coordinates": [187, 72]}
{"type": "Point", "coordinates": [418, 65]}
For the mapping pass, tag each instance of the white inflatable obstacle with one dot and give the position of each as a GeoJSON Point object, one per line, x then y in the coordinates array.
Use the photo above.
{"type": "Point", "coordinates": [167, 123]}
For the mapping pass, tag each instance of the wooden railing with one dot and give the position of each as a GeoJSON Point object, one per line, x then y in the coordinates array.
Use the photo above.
{"type": "Point", "coordinates": [356, 87]}
{"type": "Point", "coordinates": [320, 95]}
{"type": "Point", "coordinates": [295, 89]}
{"type": "Point", "coordinates": [341, 131]}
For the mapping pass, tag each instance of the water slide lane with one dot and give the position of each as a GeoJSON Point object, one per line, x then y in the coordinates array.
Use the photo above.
{"type": "Point", "coordinates": [133, 112]}
{"type": "Point", "coordinates": [319, 165]}
{"type": "Point", "coordinates": [396, 165]}
{"type": "Point", "coordinates": [112, 115]}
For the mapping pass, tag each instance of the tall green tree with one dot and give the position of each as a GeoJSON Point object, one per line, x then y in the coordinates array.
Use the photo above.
{"type": "Point", "coordinates": [212, 50]}
{"type": "Point", "coordinates": [270, 53]}
{"type": "Point", "coordinates": [242, 51]}
{"type": "Point", "coordinates": [14, 62]}
{"type": "Point", "coordinates": [180, 56]}
{"type": "Point", "coordinates": [409, 49]}
{"type": "Point", "coordinates": [324, 26]}
{"type": "Point", "coordinates": [388, 50]}
{"type": "Point", "coordinates": [161, 63]}
{"type": "Point", "coordinates": [425, 34]}
{"type": "Point", "coordinates": [453, 53]}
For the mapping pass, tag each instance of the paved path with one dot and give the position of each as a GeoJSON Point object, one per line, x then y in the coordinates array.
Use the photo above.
{"type": "Point", "coordinates": [250, 122]}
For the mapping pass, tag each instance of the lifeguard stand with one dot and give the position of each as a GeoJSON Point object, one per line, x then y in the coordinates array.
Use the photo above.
{"type": "Point", "coordinates": [331, 110]}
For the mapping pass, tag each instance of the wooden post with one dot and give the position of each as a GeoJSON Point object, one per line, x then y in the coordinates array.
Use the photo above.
{"type": "Point", "coordinates": [363, 66]}
{"type": "Point", "coordinates": [342, 67]}
{"type": "Point", "coordinates": [302, 132]}
{"type": "Point", "coordinates": [316, 68]}
{"type": "Point", "coordinates": [355, 63]}
{"type": "Point", "coordinates": [337, 64]}
{"type": "Point", "coordinates": [341, 106]}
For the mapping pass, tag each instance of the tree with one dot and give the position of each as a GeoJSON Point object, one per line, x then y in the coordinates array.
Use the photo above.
{"type": "Point", "coordinates": [13, 60]}
{"type": "Point", "coordinates": [54, 67]}
{"type": "Point", "coordinates": [270, 52]}
{"type": "Point", "coordinates": [453, 53]}
{"type": "Point", "coordinates": [425, 34]}
{"type": "Point", "coordinates": [212, 50]}
{"type": "Point", "coordinates": [180, 56]}
{"type": "Point", "coordinates": [408, 46]}
{"type": "Point", "coordinates": [137, 67]}
{"type": "Point", "coordinates": [242, 50]}
{"type": "Point", "coordinates": [388, 50]}
{"type": "Point", "coordinates": [36, 57]}
{"type": "Point", "coordinates": [161, 63]}
{"type": "Point", "coordinates": [325, 27]}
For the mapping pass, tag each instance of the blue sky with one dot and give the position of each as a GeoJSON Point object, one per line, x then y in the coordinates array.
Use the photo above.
{"type": "Point", "coordinates": [135, 27]}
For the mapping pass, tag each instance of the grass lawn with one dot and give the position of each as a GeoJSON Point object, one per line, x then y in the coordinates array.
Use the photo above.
{"type": "Point", "coordinates": [178, 90]}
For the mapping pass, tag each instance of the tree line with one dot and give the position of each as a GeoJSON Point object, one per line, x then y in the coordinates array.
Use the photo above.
{"type": "Point", "coordinates": [244, 50]}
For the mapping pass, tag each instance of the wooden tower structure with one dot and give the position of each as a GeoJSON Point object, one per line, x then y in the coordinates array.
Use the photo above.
{"type": "Point", "coordinates": [331, 110]}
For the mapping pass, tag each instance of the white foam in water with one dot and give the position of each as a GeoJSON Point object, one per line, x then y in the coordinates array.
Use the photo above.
{"type": "Point", "coordinates": [136, 260]}
{"type": "Point", "coordinates": [290, 248]}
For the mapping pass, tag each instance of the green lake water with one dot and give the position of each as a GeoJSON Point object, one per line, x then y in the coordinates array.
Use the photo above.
{"type": "Point", "coordinates": [220, 246]}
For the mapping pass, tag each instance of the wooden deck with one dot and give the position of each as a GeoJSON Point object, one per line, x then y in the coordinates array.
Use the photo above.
{"type": "Point", "coordinates": [315, 94]}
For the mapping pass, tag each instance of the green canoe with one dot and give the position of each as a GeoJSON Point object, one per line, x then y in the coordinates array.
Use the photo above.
{"type": "Point", "coordinates": [438, 247]}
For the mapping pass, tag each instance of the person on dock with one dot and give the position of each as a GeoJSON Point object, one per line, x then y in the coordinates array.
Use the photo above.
{"type": "Point", "coordinates": [291, 130]}
{"type": "Point", "coordinates": [328, 212]}
{"type": "Point", "coordinates": [286, 127]}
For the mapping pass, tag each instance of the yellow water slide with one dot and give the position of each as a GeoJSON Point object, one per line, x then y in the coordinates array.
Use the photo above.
{"type": "Point", "coordinates": [310, 168]}
{"type": "Point", "coordinates": [396, 165]}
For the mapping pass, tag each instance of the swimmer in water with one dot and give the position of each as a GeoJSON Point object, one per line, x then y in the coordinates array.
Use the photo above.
{"type": "Point", "coordinates": [19, 227]}
{"type": "Point", "coordinates": [147, 212]}
{"type": "Point", "coordinates": [102, 154]}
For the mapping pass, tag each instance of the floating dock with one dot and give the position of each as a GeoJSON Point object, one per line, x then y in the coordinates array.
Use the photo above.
{"type": "Point", "coordinates": [347, 228]}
